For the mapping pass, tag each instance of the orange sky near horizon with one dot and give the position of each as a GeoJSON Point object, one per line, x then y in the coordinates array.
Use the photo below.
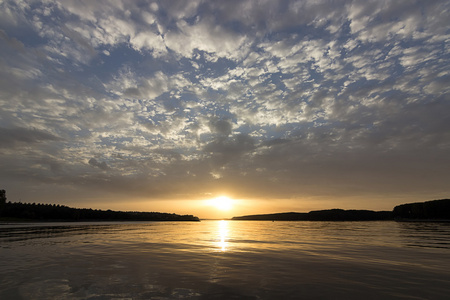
{"type": "Point", "coordinates": [225, 207]}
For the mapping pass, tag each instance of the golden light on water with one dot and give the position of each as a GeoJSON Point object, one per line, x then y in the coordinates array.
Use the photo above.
{"type": "Point", "coordinates": [223, 235]}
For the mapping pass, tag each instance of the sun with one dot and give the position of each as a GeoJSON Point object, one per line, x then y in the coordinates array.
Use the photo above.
{"type": "Point", "coordinates": [222, 203]}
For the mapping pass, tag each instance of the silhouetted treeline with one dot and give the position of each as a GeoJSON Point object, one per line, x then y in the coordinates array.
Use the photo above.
{"type": "Point", "coordinates": [349, 215]}
{"type": "Point", "coordinates": [429, 210]}
{"type": "Point", "coordinates": [324, 215]}
{"type": "Point", "coordinates": [53, 212]}
{"type": "Point", "coordinates": [289, 216]}
{"type": "Point", "coordinates": [2, 197]}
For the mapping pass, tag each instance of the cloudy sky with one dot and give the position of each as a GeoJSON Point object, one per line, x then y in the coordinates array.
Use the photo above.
{"type": "Point", "coordinates": [279, 105]}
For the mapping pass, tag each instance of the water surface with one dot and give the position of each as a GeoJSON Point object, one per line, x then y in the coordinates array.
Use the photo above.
{"type": "Point", "coordinates": [225, 260]}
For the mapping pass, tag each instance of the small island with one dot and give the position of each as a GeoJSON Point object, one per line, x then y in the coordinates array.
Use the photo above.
{"type": "Point", "coordinates": [10, 211]}
{"type": "Point", "coordinates": [434, 210]}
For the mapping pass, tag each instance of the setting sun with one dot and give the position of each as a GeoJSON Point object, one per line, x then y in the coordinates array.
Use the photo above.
{"type": "Point", "coordinates": [222, 203]}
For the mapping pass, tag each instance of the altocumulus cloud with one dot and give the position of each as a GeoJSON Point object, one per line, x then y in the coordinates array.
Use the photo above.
{"type": "Point", "coordinates": [95, 163]}
{"type": "Point", "coordinates": [262, 99]}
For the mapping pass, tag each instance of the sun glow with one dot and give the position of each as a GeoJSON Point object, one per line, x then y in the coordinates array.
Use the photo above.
{"type": "Point", "coordinates": [222, 203]}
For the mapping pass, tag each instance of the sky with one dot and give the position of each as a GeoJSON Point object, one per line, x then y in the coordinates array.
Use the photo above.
{"type": "Point", "coordinates": [277, 105]}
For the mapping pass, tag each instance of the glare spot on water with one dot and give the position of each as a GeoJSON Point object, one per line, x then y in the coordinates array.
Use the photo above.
{"type": "Point", "coordinates": [223, 235]}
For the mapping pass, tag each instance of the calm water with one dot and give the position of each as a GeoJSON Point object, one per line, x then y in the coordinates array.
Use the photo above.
{"type": "Point", "coordinates": [225, 260]}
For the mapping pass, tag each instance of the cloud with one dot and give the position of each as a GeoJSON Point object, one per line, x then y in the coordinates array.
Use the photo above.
{"type": "Point", "coordinates": [223, 151]}
{"type": "Point", "coordinates": [149, 88]}
{"type": "Point", "coordinates": [13, 43]}
{"type": "Point", "coordinates": [101, 165]}
{"type": "Point", "coordinates": [13, 137]}
{"type": "Point", "coordinates": [205, 36]}
{"type": "Point", "coordinates": [149, 41]}
{"type": "Point", "coordinates": [220, 126]}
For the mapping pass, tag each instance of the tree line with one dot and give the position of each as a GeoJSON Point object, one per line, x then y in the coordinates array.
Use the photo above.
{"type": "Point", "coordinates": [437, 210]}
{"type": "Point", "coordinates": [434, 209]}
{"type": "Point", "coordinates": [324, 215]}
{"type": "Point", "coordinates": [56, 212]}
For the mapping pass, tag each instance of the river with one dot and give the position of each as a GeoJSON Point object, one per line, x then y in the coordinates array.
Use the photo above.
{"type": "Point", "coordinates": [225, 260]}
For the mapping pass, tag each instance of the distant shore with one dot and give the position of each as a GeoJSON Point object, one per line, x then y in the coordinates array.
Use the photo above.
{"type": "Point", "coordinates": [323, 215]}
{"type": "Point", "coordinates": [429, 211]}
{"type": "Point", "coordinates": [26, 212]}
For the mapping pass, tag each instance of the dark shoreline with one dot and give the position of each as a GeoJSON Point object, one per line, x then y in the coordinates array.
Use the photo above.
{"type": "Point", "coordinates": [28, 221]}
{"type": "Point", "coordinates": [323, 215]}
{"type": "Point", "coordinates": [26, 212]}
{"type": "Point", "coordinates": [429, 211]}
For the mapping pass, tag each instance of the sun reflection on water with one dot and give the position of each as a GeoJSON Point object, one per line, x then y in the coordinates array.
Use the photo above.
{"type": "Point", "coordinates": [223, 235]}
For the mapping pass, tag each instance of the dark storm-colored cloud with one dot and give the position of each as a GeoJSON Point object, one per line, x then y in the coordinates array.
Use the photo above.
{"type": "Point", "coordinates": [224, 150]}
{"type": "Point", "coordinates": [12, 137]}
{"type": "Point", "coordinates": [220, 126]}
{"type": "Point", "coordinates": [101, 165]}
